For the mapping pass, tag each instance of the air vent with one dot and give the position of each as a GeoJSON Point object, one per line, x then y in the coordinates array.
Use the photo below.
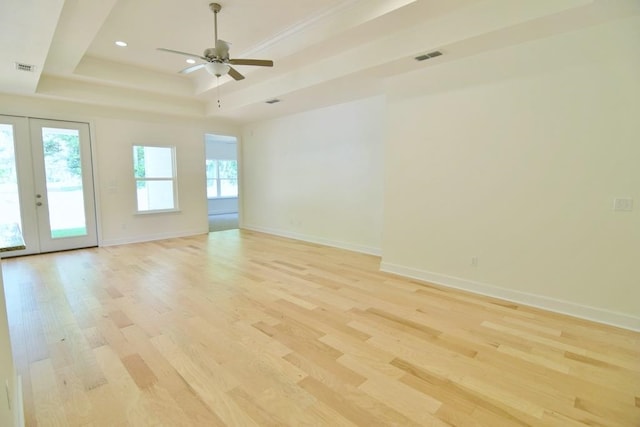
{"type": "Point", "coordinates": [25, 67]}
{"type": "Point", "coordinates": [272, 101]}
{"type": "Point", "coordinates": [428, 55]}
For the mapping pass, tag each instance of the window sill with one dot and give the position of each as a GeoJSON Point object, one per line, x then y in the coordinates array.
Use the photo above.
{"type": "Point", "coordinates": [222, 198]}
{"type": "Point", "coordinates": [158, 211]}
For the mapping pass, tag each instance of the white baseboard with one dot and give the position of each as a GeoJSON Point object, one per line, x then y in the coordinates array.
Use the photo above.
{"type": "Point", "coordinates": [595, 314]}
{"type": "Point", "coordinates": [314, 239]}
{"type": "Point", "coordinates": [152, 237]}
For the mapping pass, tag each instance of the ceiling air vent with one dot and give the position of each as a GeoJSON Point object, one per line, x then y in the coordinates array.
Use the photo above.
{"type": "Point", "coordinates": [25, 67]}
{"type": "Point", "coordinates": [428, 55]}
{"type": "Point", "coordinates": [272, 101]}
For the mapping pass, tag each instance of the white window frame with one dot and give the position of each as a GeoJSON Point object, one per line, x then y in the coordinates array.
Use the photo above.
{"type": "Point", "coordinates": [173, 179]}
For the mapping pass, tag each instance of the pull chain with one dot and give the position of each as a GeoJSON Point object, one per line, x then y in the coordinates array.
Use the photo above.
{"type": "Point", "coordinates": [218, 88]}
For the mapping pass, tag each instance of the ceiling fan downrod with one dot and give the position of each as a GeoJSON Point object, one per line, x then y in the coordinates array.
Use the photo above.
{"type": "Point", "coordinates": [215, 8]}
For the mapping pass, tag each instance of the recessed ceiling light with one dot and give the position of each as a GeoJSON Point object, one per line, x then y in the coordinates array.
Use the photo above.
{"type": "Point", "coordinates": [191, 61]}
{"type": "Point", "coordinates": [121, 43]}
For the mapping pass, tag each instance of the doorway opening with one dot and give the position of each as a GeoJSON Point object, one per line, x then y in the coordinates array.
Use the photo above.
{"type": "Point", "coordinates": [221, 157]}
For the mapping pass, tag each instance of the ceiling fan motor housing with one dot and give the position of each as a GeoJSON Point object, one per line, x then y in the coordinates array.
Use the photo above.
{"type": "Point", "coordinates": [210, 53]}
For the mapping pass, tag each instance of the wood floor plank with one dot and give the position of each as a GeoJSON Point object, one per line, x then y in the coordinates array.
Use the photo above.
{"type": "Point", "coordinates": [213, 393]}
{"type": "Point", "coordinates": [417, 406]}
{"type": "Point", "coordinates": [167, 378]}
{"type": "Point", "coordinates": [261, 416]}
{"type": "Point", "coordinates": [241, 328]}
{"type": "Point", "coordinates": [49, 407]}
{"type": "Point", "coordinates": [354, 405]}
{"type": "Point", "coordinates": [77, 405]}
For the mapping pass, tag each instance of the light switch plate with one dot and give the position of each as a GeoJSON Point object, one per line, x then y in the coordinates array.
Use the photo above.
{"type": "Point", "coordinates": [623, 204]}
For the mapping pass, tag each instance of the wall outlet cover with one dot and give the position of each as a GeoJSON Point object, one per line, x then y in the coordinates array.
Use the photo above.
{"type": "Point", "coordinates": [623, 204]}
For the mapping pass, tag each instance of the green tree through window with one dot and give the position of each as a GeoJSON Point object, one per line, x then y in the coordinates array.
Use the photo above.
{"type": "Point", "coordinates": [62, 156]}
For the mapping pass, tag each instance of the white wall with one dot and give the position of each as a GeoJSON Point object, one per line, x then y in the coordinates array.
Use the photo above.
{"type": "Point", "coordinates": [114, 132]}
{"type": "Point", "coordinates": [9, 416]}
{"type": "Point", "coordinates": [317, 175]}
{"type": "Point", "coordinates": [120, 224]}
{"type": "Point", "coordinates": [515, 157]}
{"type": "Point", "coordinates": [224, 148]}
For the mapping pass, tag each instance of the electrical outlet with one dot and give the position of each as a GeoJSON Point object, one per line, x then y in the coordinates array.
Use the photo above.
{"type": "Point", "coordinates": [623, 204]}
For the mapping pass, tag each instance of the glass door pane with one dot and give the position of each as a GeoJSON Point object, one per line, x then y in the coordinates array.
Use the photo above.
{"type": "Point", "coordinates": [9, 196]}
{"type": "Point", "coordinates": [63, 185]}
{"type": "Point", "coordinates": [63, 175]}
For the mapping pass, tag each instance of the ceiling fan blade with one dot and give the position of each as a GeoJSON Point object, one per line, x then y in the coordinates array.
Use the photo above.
{"type": "Point", "coordinates": [191, 68]}
{"type": "Point", "coordinates": [258, 62]}
{"type": "Point", "coordinates": [235, 74]}
{"type": "Point", "coordinates": [222, 49]}
{"type": "Point", "coordinates": [192, 55]}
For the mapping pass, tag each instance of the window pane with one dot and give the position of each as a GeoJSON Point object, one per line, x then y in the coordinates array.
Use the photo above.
{"type": "Point", "coordinates": [212, 188]}
{"type": "Point", "coordinates": [63, 173]}
{"type": "Point", "coordinates": [212, 170]}
{"type": "Point", "coordinates": [153, 162]}
{"type": "Point", "coordinates": [222, 178]}
{"type": "Point", "coordinates": [228, 187]}
{"type": "Point", "coordinates": [9, 200]}
{"type": "Point", "coordinates": [155, 195]}
{"type": "Point", "coordinates": [228, 169]}
{"type": "Point", "coordinates": [138, 161]}
{"type": "Point", "coordinates": [154, 170]}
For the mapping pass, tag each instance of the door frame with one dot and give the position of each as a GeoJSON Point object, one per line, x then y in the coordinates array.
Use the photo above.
{"type": "Point", "coordinates": [24, 127]}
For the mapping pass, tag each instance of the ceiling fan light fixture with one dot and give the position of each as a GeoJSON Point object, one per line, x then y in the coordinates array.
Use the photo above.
{"type": "Point", "coordinates": [217, 68]}
{"type": "Point", "coordinates": [217, 58]}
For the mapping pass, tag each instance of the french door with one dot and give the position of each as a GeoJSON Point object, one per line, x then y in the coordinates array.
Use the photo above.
{"type": "Point", "coordinates": [46, 183]}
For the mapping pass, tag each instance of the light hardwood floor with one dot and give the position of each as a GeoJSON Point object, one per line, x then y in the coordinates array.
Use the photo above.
{"type": "Point", "coordinates": [239, 328]}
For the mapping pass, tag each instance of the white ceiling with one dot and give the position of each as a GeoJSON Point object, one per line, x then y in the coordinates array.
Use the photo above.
{"type": "Point", "coordinates": [325, 51]}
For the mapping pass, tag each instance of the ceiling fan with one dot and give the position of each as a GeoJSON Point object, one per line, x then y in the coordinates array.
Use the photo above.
{"type": "Point", "coordinates": [217, 61]}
